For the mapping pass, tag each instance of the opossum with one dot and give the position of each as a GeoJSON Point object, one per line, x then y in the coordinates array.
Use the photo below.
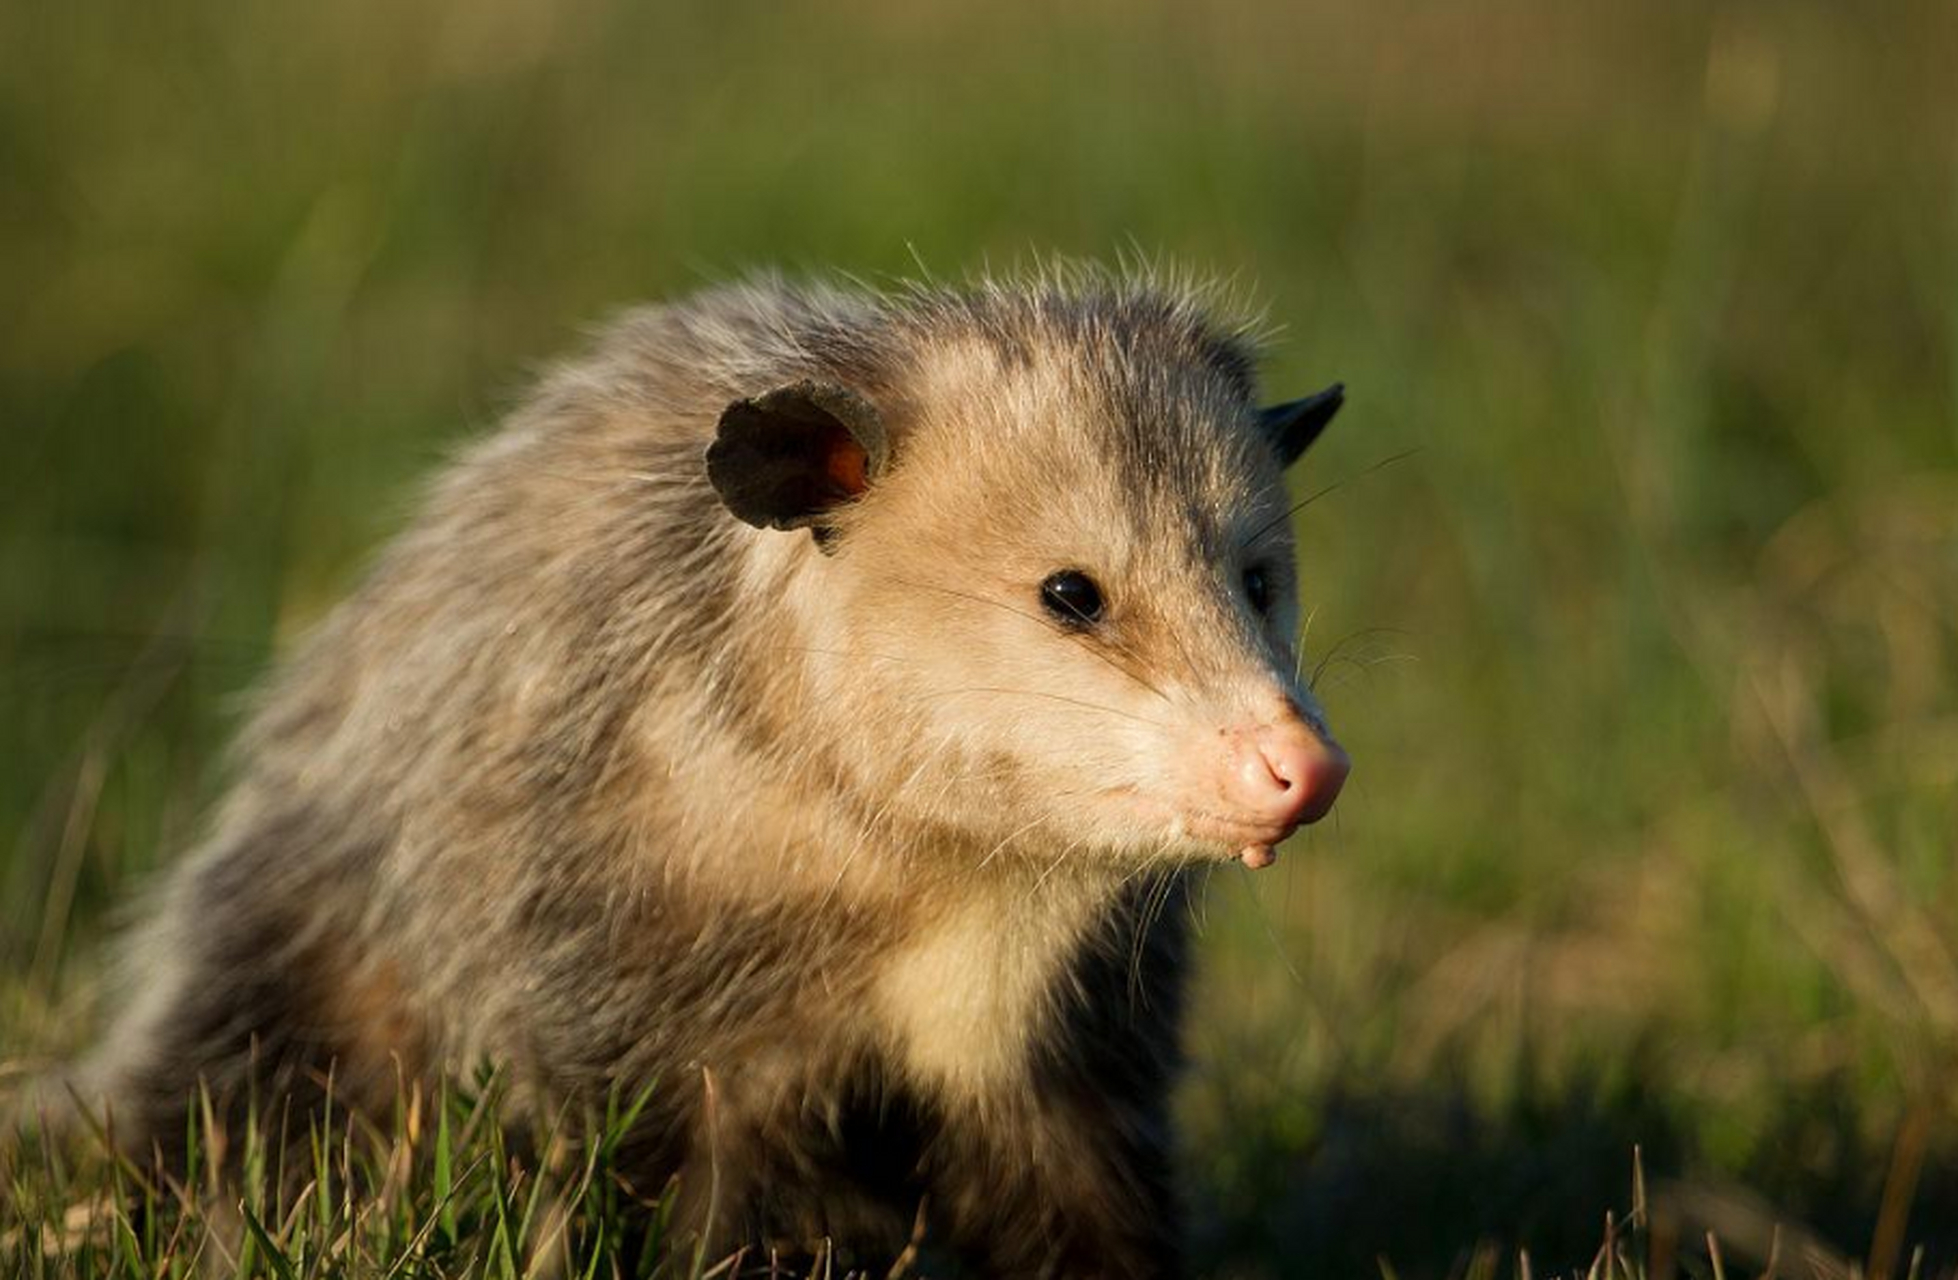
{"type": "Point", "coordinates": [805, 705]}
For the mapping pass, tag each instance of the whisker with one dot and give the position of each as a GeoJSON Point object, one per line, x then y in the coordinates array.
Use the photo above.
{"type": "Point", "coordinates": [1317, 494]}
{"type": "Point", "coordinates": [1153, 903]}
{"type": "Point", "coordinates": [1052, 697]}
{"type": "Point", "coordinates": [867, 655]}
{"type": "Point", "coordinates": [1341, 643]}
{"type": "Point", "coordinates": [1200, 901]}
{"type": "Point", "coordinates": [1054, 866]}
{"type": "Point", "coordinates": [869, 828]}
{"type": "Point", "coordinates": [1298, 649]}
{"type": "Point", "coordinates": [1035, 618]}
{"type": "Point", "coordinates": [1271, 933]}
{"type": "Point", "coordinates": [859, 654]}
{"type": "Point", "coordinates": [1016, 833]}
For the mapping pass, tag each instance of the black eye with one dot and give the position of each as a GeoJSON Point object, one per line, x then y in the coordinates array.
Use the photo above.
{"type": "Point", "coordinates": [1072, 597]}
{"type": "Point", "coordinates": [1257, 589]}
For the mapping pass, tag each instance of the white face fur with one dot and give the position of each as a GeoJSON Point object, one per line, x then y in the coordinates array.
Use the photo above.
{"type": "Point", "coordinates": [1061, 620]}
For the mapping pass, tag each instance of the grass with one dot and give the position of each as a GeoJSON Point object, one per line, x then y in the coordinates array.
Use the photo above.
{"type": "Point", "coordinates": [1648, 653]}
{"type": "Point", "coordinates": [440, 1192]}
{"type": "Point", "coordinates": [447, 1190]}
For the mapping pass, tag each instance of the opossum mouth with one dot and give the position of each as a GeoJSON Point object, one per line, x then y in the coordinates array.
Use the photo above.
{"type": "Point", "coordinates": [1235, 839]}
{"type": "Point", "coordinates": [1255, 845]}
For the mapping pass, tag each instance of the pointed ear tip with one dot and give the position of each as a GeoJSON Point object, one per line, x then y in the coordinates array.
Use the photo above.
{"type": "Point", "coordinates": [1319, 404]}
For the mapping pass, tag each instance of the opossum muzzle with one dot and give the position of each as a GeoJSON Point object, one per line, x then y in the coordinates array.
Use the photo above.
{"type": "Point", "coordinates": [1276, 778]}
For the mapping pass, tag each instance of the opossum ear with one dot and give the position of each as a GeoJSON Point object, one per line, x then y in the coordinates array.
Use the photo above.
{"type": "Point", "coordinates": [1293, 426]}
{"type": "Point", "coordinates": [786, 459]}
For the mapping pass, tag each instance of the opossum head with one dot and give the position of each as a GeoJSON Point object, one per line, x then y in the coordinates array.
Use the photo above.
{"type": "Point", "coordinates": [1045, 591]}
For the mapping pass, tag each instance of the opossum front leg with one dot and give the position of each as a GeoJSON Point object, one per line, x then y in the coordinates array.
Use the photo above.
{"type": "Point", "coordinates": [1082, 1188]}
{"type": "Point", "coordinates": [755, 1174]}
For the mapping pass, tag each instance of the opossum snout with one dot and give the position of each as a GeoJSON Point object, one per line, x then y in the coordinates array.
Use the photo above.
{"type": "Point", "coordinates": [1288, 775]}
{"type": "Point", "coordinates": [1278, 778]}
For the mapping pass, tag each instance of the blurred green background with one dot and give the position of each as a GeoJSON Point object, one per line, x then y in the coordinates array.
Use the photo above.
{"type": "Point", "coordinates": [1648, 655]}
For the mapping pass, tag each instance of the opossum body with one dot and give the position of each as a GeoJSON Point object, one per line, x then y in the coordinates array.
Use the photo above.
{"type": "Point", "coordinates": [812, 702]}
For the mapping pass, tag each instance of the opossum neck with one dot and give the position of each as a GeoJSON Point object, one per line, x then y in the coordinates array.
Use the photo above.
{"type": "Point", "coordinates": [967, 960]}
{"type": "Point", "coordinates": [980, 977]}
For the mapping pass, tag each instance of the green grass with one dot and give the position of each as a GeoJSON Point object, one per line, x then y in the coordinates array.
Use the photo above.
{"type": "Point", "coordinates": [1648, 655]}
{"type": "Point", "coordinates": [442, 1188]}
{"type": "Point", "coordinates": [440, 1191]}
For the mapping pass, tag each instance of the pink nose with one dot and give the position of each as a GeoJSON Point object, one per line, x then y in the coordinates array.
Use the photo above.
{"type": "Point", "coordinates": [1291, 775]}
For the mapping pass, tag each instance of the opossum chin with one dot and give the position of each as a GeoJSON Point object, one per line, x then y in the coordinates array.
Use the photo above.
{"type": "Point", "coordinates": [1205, 836]}
{"type": "Point", "coordinates": [1255, 847]}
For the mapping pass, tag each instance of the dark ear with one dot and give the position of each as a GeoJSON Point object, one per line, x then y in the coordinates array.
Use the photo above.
{"type": "Point", "coordinates": [1293, 426]}
{"type": "Point", "coordinates": [785, 459]}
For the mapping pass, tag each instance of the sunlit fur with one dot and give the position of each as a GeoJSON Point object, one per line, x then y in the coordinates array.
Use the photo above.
{"type": "Point", "coordinates": [591, 780]}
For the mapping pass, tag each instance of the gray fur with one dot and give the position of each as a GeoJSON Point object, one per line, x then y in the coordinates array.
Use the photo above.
{"type": "Point", "coordinates": [572, 783]}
